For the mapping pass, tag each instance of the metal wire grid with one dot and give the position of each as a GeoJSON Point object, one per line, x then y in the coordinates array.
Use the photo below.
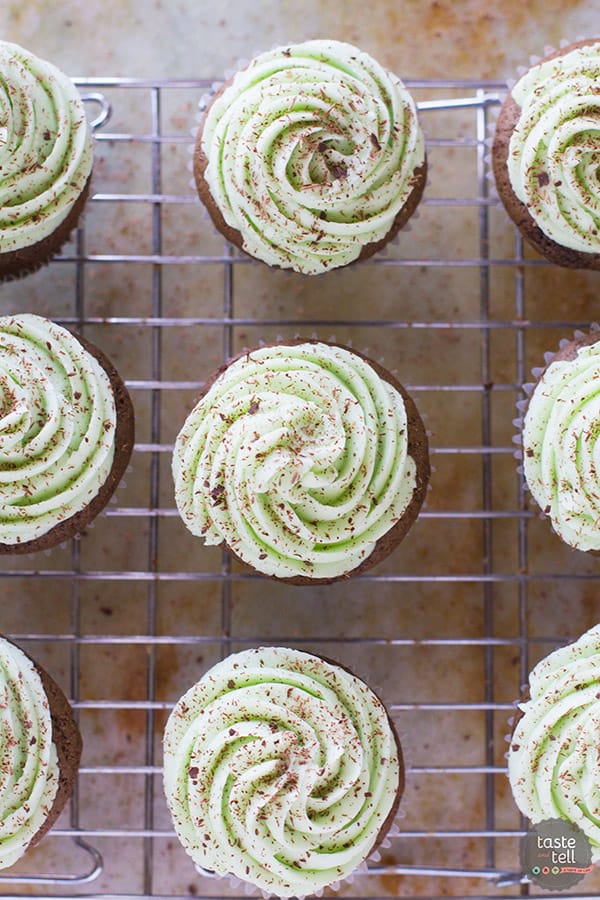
{"type": "Point", "coordinates": [481, 97]}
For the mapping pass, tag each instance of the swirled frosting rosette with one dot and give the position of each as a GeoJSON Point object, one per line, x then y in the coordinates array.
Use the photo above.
{"type": "Point", "coordinates": [553, 761]}
{"type": "Point", "coordinates": [57, 428]}
{"type": "Point", "coordinates": [281, 769]}
{"type": "Point", "coordinates": [311, 157]}
{"type": "Point", "coordinates": [561, 443]}
{"type": "Point", "coordinates": [304, 459]}
{"type": "Point", "coordinates": [29, 773]}
{"type": "Point", "coordinates": [548, 143]}
{"type": "Point", "coordinates": [45, 149]}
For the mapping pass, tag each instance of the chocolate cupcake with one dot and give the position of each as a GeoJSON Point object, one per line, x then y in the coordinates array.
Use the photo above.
{"type": "Point", "coordinates": [45, 160]}
{"type": "Point", "coordinates": [282, 769]}
{"type": "Point", "coordinates": [66, 433]}
{"type": "Point", "coordinates": [311, 158]}
{"type": "Point", "coordinates": [553, 762]}
{"type": "Point", "coordinates": [41, 748]}
{"type": "Point", "coordinates": [546, 155]}
{"type": "Point", "coordinates": [308, 460]}
{"type": "Point", "coordinates": [560, 441]}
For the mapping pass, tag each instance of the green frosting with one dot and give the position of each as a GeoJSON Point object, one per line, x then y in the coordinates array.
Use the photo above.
{"type": "Point", "coordinates": [29, 771]}
{"type": "Point", "coordinates": [553, 762]}
{"type": "Point", "coordinates": [554, 151]}
{"type": "Point", "coordinates": [281, 769]}
{"type": "Point", "coordinates": [561, 449]}
{"type": "Point", "coordinates": [297, 457]}
{"type": "Point", "coordinates": [45, 148]}
{"type": "Point", "coordinates": [312, 152]}
{"type": "Point", "coordinates": [57, 427]}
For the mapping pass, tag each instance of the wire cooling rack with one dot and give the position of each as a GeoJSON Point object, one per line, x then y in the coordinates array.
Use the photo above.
{"type": "Point", "coordinates": [505, 575]}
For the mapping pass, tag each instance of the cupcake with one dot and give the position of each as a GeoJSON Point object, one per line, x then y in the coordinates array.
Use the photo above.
{"type": "Point", "coordinates": [311, 158]}
{"type": "Point", "coordinates": [282, 769]}
{"type": "Point", "coordinates": [546, 155]}
{"type": "Point", "coordinates": [306, 459]}
{"type": "Point", "coordinates": [66, 433]}
{"type": "Point", "coordinates": [41, 747]}
{"type": "Point", "coordinates": [45, 160]}
{"type": "Point", "coordinates": [560, 442]}
{"type": "Point", "coordinates": [553, 762]}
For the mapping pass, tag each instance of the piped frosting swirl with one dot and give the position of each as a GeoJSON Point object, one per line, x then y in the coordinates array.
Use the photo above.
{"type": "Point", "coordinates": [554, 151]}
{"type": "Point", "coordinates": [280, 768]}
{"type": "Point", "coordinates": [29, 772]}
{"type": "Point", "coordinates": [312, 152]}
{"type": "Point", "coordinates": [57, 427]}
{"type": "Point", "coordinates": [561, 446]}
{"type": "Point", "coordinates": [45, 148]}
{"type": "Point", "coordinates": [297, 457]}
{"type": "Point", "coordinates": [553, 762]}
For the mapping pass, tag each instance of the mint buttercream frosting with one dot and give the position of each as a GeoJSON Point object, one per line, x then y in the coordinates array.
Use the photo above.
{"type": "Point", "coordinates": [57, 427]}
{"type": "Point", "coordinates": [312, 152]}
{"type": "Point", "coordinates": [554, 151]}
{"type": "Point", "coordinates": [296, 457]}
{"type": "Point", "coordinates": [280, 768]}
{"type": "Point", "coordinates": [45, 148]}
{"type": "Point", "coordinates": [29, 772]}
{"type": "Point", "coordinates": [554, 762]}
{"type": "Point", "coordinates": [561, 446]}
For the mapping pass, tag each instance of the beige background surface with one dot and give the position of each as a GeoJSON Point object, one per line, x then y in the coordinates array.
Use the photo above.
{"type": "Point", "coordinates": [420, 38]}
{"type": "Point", "coordinates": [385, 630]}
